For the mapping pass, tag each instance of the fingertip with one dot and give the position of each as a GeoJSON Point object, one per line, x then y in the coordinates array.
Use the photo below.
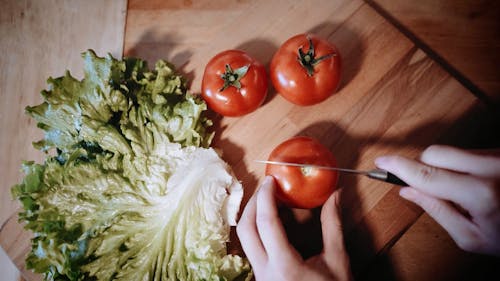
{"type": "Point", "coordinates": [408, 193]}
{"type": "Point", "coordinates": [436, 147]}
{"type": "Point", "coordinates": [381, 161]}
{"type": "Point", "coordinates": [333, 200]}
{"type": "Point", "coordinates": [269, 225]}
{"type": "Point", "coordinates": [387, 162]}
{"type": "Point", "coordinates": [248, 214]}
{"type": "Point", "coordinates": [266, 203]}
{"type": "Point", "coordinates": [268, 182]}
{"type": "Point", "coordinates": [266, 189]}
{"type": "Point", "coordinates": [247, 232]}
{"type": "Point", "coordinates": [330, 211]}
{"type": "Point", "coordinates": [433, 151]}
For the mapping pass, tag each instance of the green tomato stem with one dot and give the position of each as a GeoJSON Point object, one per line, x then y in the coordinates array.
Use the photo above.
{"type": "Point", "coordinates": [308, 60]}
{"type": "Point", "coordinates": [232, 77]}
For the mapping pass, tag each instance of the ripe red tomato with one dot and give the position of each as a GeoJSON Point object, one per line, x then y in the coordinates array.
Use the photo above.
{"type": "Point", "coordinates": [234, 83]}
{"type": "Point", "coordinates": [303, 187]}
{"type": "Point", "coordinates": [306, 69]}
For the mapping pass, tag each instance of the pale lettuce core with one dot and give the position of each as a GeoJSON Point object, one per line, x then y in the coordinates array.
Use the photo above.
{"type": "Point", "coordinates": [130, 189]}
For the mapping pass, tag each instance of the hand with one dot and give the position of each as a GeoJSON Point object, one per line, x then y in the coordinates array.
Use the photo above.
{"type": "Point", "coordinates": [265, 243]}
{"type": "Point", "coordinates": [459, 189]}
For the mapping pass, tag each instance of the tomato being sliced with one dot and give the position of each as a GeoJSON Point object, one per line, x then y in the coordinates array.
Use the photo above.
{"type": "Point", "coordinates": [234, 83]}
{"type": "Point", "coordinates": [306, 69]}
{"type": "Point", "coordinates": [303, 187]}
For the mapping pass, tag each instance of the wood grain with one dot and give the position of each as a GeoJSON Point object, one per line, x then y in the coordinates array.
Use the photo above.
{"type": "Point", "coordinates": [41, 39]}
{"type": "Point", "coordinates": [393, 99]}
{"type": "Point", "coordinates": [464, 35]}
{"type": "Point", "coordinates": [426, 252]}
{"type": "Point", "coordinates": [8, 269]}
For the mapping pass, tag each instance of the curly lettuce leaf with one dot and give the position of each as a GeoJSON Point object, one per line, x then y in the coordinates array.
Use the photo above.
{"type": "Point", "coordinates": [116, 97]}
{"type": "Point", "coordinates": [91, 221]}
{"type": "Point", "coordinates": [132, 192]}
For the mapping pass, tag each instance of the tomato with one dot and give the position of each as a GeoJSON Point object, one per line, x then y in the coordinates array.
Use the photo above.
{"type": "Point", "coordinates": [234, 83]}
{"type": "Point", "coordinates": [306, 69]}
{"type": "Point", "coordinates": [303, 187]}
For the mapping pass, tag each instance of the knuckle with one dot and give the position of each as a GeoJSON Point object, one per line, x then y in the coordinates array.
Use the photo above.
{"type": "Point", "coordinates": [340, 267]}
{"type": "Point", "coordinates": [469, 244]}
{"type": "Point", "coordinates": [432, 206]}
{"type": "Point", "coordinates": [431, 152]}
{"type": "Point", "coordinates": [469, 239]}
{"type": "Point", "coordinates": [465, 244]}
{"type": "Point", "coordinates": [488, 194]}
{"type": "Point", "coordinates": [335, 225]}
{"type": "Point", "coordinates": [426, 173]}
{"type": "Point", "coordinates": [291, 272]}
{"type": "Point", "coordinates": [281, 272]}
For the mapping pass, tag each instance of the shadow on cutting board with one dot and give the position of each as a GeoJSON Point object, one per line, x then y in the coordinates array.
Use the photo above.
{"type": "Point", "coordinates": [232, 154]}
{"type": "Point", "coordinates": [349, 45]}
{"type": "Point", "coordinates": [346, 149]}
{"type": "Point", "coordinates": [368, 262]}
{"type": "Point", "coordinates": [473, 130]}
{"type": "Point", "coordinates": [262, 50]}
{"type": "Point", "coordinates": [153, 47]}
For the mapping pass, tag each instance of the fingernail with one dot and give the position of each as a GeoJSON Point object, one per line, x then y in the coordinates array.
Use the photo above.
{"type": "Point", "coordinates": [382, 161]}
{"type": "Point", "coordinates": [268, 180]}
{"type": "Point", "coordinates": [408, 193]}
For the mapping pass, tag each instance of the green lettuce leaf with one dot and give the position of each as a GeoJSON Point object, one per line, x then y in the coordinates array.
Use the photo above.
{"type": "Point", "coordinates": [131, 191]}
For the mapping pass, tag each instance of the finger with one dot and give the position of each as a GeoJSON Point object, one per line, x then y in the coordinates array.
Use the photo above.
{"type": "Point", "coordinates": [334, 253]}
{"type": "Point", "coordinates": [331, 225]}
{"type": "Point", "coordinates": [249, 236]}
{"type": "Point", "coordinates": [440, 183]}
{"type": "Point", "coordinates": [476, 163]}
{"type": "Point", "coordinates": [269, 226]}
{"type": "Point", "coordinates": [456, 224]}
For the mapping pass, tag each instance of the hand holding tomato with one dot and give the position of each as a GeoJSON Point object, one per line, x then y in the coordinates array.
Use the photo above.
{"type": "Point", "coordinates": [306, 69]}
{"type": "Point", "coordinates": [234, 83]}
{"type": "Point", "coordinates": [265, 243]}
{"type": "Point", "coordinates": [303, 187]}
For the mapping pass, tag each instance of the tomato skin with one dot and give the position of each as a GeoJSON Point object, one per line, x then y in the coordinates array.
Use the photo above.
{"type": "Point", "coordinates": [296, 189]}
{"type": "Point", "coordinates": [291, 79]}
{"type": "Point", "coordinates": [233, 101]}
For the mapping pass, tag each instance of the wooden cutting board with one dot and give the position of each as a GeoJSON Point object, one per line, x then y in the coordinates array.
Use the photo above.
{"type": "Point", "coordinates": [462, 35]}
{"type": "Point", "coordinates": [393, 99]}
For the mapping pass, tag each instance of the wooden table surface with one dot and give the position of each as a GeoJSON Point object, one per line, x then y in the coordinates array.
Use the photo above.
{"type": "Point", "coordinates": [462, 35]}
{"type": "Point", "coordinates": [398, 95]}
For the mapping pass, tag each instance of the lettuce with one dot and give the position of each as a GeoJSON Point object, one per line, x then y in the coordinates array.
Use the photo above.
{"type": "Point", "coordinates": [130, 189]}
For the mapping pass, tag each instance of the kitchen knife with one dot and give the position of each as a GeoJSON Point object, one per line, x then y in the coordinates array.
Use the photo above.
{"type": "Point", "coordinates": [378, 174]}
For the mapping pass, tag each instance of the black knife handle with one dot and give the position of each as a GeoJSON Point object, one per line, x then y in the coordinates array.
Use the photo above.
{"type": "Point", "coordinates": [383, 175]}
{"type": "Point", "coordinates": [392, 178]}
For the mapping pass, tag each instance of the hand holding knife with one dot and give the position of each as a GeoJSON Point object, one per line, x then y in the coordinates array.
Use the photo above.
{"type": "Point", "coordinates": [378, 174]}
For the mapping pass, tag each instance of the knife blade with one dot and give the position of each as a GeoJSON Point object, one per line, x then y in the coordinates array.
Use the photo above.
{"type": "Point", "coordinates": [377, 174]}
